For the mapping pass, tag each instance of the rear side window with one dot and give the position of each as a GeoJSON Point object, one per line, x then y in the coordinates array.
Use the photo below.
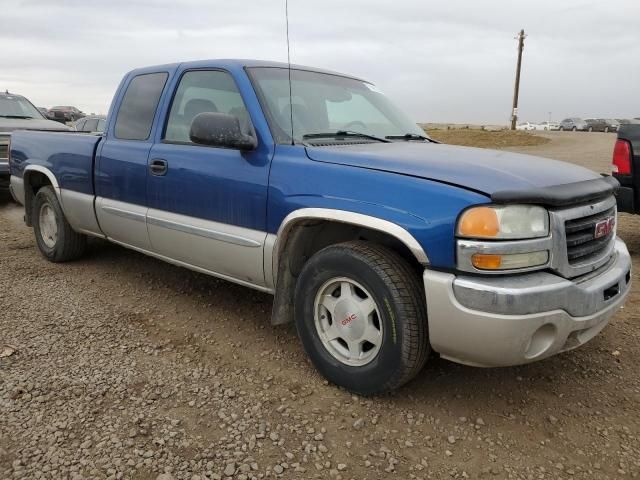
{"type": "Point", "coordinates": [80, 125]}
{"type": "Point", "coordinates": [91, 125]}
{"type": "Point", "coordinates": [101, 125]}
{"type": "Point", "coordinates": [139, 105]}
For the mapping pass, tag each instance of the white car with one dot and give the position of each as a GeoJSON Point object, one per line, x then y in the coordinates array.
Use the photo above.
{"type": "Point", "coordinates": [548, 126]}
{"type": "Point", "coordinates": [528, 126]}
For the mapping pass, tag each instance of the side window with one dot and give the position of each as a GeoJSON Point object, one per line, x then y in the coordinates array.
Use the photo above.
{"type": "Point", "coordinates": [138, 106]}
{"type": "Point", "coordinates": [203, 91]}
{"type": "Point", "coordinates": [91, 125]}
{"type": "Point", "coordinates": [101, 125]}
{"type": "Point", "coordinates": [80, 125]}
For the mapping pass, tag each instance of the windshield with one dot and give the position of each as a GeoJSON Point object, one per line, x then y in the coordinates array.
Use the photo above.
{"type": "Point", "coordinates": [14, 106]}
{"type": "Point", "coordinates": [325, 103]}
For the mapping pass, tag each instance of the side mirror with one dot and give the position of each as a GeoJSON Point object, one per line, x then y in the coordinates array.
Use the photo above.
{"type": "Point", "coordinates": [220, 130]}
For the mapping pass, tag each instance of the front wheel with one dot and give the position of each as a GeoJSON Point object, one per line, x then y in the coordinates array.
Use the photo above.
{"type": "Point", "coordinates": [56, 240]}
{"type": "Point", "coordinates": [361, 316]}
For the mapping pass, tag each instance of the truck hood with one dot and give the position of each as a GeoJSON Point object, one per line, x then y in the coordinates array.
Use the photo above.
{"type": "Point", "coordinates": [11, 124]}
{"type": "Point", "coordinates": [486, 171]}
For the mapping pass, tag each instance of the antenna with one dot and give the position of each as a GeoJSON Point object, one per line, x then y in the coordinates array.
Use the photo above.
{"type": "Point", "coordinates": [286, 13]}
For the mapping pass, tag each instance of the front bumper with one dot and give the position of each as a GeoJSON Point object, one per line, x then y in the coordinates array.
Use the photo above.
{"type": "Point", "coordinates": [517, 319]}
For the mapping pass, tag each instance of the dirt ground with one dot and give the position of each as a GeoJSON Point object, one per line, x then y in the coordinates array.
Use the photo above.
{"type": "Point", "coordinates": [127, 367]}
{"type": "Point", "coordinates": [487, 138]}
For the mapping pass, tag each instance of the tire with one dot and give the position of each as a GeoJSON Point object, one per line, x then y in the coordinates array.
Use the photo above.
{"type": "Point", "coordinates": [56, 240]}
{"type": "Point", "coordinates": [606, 129]}
{"type": "Point", "coordinates": [590, 129]}
{"type": "Point", "coordinates": [399, 319]}
{"type": "Point", "coordinates": [574, 129]}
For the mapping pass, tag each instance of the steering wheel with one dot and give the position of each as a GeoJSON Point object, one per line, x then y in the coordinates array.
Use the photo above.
{"type": "Point", "coordinates": [355, 123]}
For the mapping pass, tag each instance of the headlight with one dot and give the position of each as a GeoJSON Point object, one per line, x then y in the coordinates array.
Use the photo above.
{"type": "Point", "coordinates": [507, 222]}
{"type": "Point", "coordinates": [503, 238]}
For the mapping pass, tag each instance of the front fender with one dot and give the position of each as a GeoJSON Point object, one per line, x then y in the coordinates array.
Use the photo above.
{"type": "Point", "coordinates": [425, 209]}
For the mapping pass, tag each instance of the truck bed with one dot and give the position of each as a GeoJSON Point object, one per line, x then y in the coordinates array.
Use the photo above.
{"type": "Point", "coordinates": [69, 155]}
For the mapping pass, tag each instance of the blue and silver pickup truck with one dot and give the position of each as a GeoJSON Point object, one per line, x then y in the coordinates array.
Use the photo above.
{"type": "Point", "coordinates": [378, 242]}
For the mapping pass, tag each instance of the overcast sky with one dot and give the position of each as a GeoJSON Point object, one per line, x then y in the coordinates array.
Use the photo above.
{"type": "Point", "coordinates": [450, 61]}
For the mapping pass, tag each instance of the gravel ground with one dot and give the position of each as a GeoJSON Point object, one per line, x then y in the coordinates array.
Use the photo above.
{"type": "Point", "coordinates": [126, 367]}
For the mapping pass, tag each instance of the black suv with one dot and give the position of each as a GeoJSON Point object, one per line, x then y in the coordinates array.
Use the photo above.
{"type": "Point", "coordinates": [597, 125]}
{"type": "Point", "coordinates": [65, 114]}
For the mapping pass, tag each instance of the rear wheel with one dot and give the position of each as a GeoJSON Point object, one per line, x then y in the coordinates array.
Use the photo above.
{"type": "Point", "coordinates": [574, 129]}
{"type": "Point", "coordinates": [590, 129]}
{"type": "Point", "coordinates": [606, 129]}
{"type": "Point", "coordinates": [56, 240]}
{"type": "Point", "coordinates": [561, 129]}
{"type": "Point", "coordinates": [361, 316]}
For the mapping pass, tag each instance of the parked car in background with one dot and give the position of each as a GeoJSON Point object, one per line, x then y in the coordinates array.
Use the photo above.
{"type": "Point", "coordinates": [209, 165]}
{"type": "Point", "coordinates": [596, 125]}
{"type": "Point", "coordinates": [527, 126]}
{"type": "Point", "coordinates": [18, 113]}
{"type": "Point", "coordinates": [626, 168]}
{"type": "Point", "coordinates": [548, 126]}
{"type": "Point", "coordinates": [91, 124]}
{"type": "Point", "coordinates": [65, 114]}
{"type": "Point", "coordinates": [44, 112]}
{"type": "Point", "coordinates": [573, 124]}
{"type": "Point", "coordinates": [613, 123]}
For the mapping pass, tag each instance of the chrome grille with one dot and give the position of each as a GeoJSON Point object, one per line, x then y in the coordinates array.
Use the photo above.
{"type": "Point", "coordinates": [4, 147]}
{"type": "Point", "coordinates": [582, 243]}
{"type": "Point", "coordinates": [576, 250]}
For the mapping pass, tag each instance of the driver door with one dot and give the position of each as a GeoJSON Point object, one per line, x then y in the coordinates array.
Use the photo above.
{"type": "Point", "coordinates": [207, 205]}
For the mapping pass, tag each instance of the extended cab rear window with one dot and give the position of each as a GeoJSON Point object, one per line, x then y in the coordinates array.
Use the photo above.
{"type": "Point", "coordinates": [139, 105]}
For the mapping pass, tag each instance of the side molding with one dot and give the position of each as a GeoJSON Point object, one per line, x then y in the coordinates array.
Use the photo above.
{"type": "Point", "coordinates": [344, 216]}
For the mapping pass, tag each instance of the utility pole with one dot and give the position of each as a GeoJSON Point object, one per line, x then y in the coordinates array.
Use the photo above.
{"type": "Point", "coordinates": [516, 90]}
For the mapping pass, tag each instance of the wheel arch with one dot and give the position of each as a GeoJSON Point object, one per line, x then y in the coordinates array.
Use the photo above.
{"type": "Point", "coordinates": [305, 231]}
{"type": "Point", "coordinates": [34, 177]}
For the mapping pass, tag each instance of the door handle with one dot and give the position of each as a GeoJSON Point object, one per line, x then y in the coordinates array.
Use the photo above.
{"type": "Point", "coordinates": [158, 166]}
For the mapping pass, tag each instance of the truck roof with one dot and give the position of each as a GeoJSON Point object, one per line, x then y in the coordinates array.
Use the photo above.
{"type": "Point", "coordinates": [234, 63]}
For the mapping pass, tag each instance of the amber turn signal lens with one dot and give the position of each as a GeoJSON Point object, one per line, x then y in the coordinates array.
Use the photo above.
{"type": "Point", "coordinates": [486, 262]}
{"type": "Point", "coordinates": [480, 222]}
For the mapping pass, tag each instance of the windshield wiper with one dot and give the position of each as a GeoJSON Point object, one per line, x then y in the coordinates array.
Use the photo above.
{"type": "Point", "coordinates": [408, 136]}
{"type": "Point", "coordinates": [15, 116]}
{"type": "Point", "coordinates": [344, 133]}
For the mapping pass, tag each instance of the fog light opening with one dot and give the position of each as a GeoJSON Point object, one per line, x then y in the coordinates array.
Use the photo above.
{"type": "Point", "coordinates": [541, 340]}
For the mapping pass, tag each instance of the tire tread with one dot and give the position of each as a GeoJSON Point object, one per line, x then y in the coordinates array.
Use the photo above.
{"type": "Point", "coordinates": [409, 301]}
{"type": "Point", "coordinates": [73, 244]}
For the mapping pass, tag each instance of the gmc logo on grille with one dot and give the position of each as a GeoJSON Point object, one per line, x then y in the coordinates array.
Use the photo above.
{"type": "Point", "coordinates": [604, 227]}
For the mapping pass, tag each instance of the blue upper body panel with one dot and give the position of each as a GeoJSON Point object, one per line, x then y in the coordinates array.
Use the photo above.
{"type": "Point", "coordinates": [420, 186]}
{"type": "Point", "coordinates": [70, 156]}
{"type": "Point", "coordinates": [425, 208]}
